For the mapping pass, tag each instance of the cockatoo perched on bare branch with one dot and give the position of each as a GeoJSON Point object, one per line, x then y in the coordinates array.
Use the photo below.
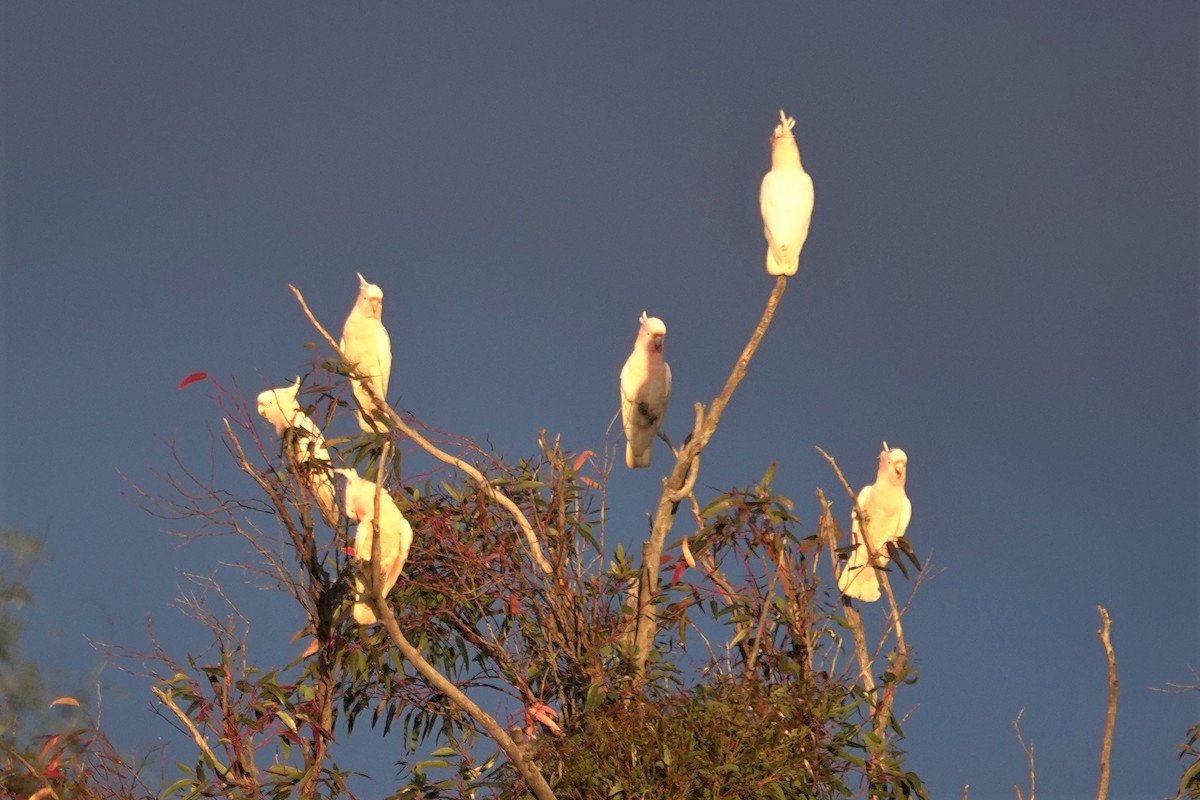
{"type": "Point", "coordinates": [304, 439]}
{"type": "Point", "coordinates": [395, 538]}
{"type": "Point", "coordinates": [645, 391]}
{"type": "Point", "coordinates": [367, 346]}
{"type": "Point", "coordinates": [786, 199]}
{"type": "Point", "coordinates": [887, 510]}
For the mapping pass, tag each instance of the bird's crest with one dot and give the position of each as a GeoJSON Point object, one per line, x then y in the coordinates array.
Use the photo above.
{"type": "Point", "coordinates": [784, 128]}
{"type": "Point", "coordinates": [642, 318]}
{"type": "Point", "coordinates": [368, 289]}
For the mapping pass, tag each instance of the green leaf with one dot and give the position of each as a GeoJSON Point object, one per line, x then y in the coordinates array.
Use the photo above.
{"type": "Point", "coordinates": [177, 785]}
{"type": "Point", "coordinates": [595, 695]}
{"type": "Point", "coordinates": [287, 718]}
{"type": "Point", "coordinates": [718, 505]}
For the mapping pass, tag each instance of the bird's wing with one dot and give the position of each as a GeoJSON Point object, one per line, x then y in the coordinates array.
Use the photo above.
{"type": "Point", "coordinates": [905, 516]}
{"type": "Point", "coordinates": [856, 525]}
{"type": "Point", "coordinates": [383, 346]}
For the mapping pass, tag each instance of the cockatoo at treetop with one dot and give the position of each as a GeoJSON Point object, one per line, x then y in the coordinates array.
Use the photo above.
{"type": "Point", "coordinates": [367, 346]}
{"type": "Point", "coordinates": [307, 444]}
{"type": "Point", "coordinates": [887, 510]}
{"type": "Point", "coordinates": [645, 390]}
{"type": "Point", "coordinates": [395, 538]}
{"type": "Point", "coordinates": [786, 199]}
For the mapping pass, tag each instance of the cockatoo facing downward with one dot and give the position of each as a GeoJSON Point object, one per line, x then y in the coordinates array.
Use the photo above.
{"type": "Point", "coordinates": [645, 390]}
{"type": "Point", "coordinates": [307, 445]}
{"type": "Point", "coordinates": [395, 538]}
{"type": "Point", "coordinates": [367, 346]}
{"type": "Point", "coordinates": [786, 199]}
{"type": "Point", "coordinates": [887, 510]}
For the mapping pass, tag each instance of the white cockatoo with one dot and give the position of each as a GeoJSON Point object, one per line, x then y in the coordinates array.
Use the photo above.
{"type": "Point", "coordinates": [786, 199]}
{"type": "Point", "coordinates": [887, 510]}
{"type": "Point", "coordinates": [367, 346]}
{"type": "Point", "coordinates": [395, 538]}
{"type": "Point", "coordinates": [645, 391]}
{"type": "Point", "coordinates": [308, 450]}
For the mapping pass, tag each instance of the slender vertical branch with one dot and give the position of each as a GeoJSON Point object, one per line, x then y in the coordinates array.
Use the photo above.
{"type": "Point", "coordinates": [825, 528]}
{"type": "Point", "coordinates": [1110, 717]}
{"type": "Point", "coordinates": [1027, 749]}
{"type": "Point", "coordinates": [674, 487]}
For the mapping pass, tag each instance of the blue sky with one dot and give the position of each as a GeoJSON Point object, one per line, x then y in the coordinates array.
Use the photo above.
{"type": "Point", "coordinates": [1001, 278]}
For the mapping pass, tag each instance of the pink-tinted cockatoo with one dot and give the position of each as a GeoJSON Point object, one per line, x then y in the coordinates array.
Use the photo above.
{"type": "Point", "coordinates": [645, 391]}
{"type": "Point", "coordinates": [887, 510]}
{"type": "Point", "coordinates": [367, 346]}
{"type": "Point", "coordinates": [307, 444]}
{"type": "Point", "coordinates": [786, 199]}
{"type": "Point", "coordinates": [395, 538]}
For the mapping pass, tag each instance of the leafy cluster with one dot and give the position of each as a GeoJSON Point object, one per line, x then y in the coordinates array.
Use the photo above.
{"type": "Point", "coordinates": [775, 705]}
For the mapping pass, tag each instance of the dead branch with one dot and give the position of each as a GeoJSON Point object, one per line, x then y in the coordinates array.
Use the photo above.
{"type": "Point", "coordinates": [1028, 750]}
{"type": "Point", "coordinates": [1110, 717]}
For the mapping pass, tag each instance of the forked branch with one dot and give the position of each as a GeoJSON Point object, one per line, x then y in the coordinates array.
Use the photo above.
{"type": "Point", "coordinates": [645, 623]}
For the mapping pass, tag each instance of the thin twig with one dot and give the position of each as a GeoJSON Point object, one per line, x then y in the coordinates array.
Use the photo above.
{"type": "Point", "coordinates": [1028, 750]}
{"type": "Point", "coordinates": [198, 737]}
{"type": "Point", "coordinates": [475, 475]}
{"type": "Point", "coordinates": [756, 645]}
{"type": "Point", "coordinates": [1110, 717]}
{"type": "Point", "coordinates": [853, 618]}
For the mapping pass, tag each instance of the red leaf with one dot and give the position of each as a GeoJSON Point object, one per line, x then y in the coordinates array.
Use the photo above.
{"type": "Point", "coordinates": [679, 570]}
{"type": "Point", "coordinates": [190, 379]}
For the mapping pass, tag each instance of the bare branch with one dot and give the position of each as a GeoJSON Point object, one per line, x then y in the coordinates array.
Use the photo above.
{"type": "Point", "coordinates": [1028, 750]}
{"type": "Point", "coordinates": [196, 735]}
{"type": "Point", "coordinates": [1110, 717]}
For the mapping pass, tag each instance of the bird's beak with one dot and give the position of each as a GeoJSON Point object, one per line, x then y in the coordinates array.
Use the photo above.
{"type": "Point", "coordinates": [658, 343]}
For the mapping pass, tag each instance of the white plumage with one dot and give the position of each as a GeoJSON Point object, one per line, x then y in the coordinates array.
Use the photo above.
{"type": "Point", "coordinates": [645, 391]}
{"type": "Point", "coordinates": [888, 510]}
{"type": "Point", "coordinates": [395, 538]}
{"type": "Point", "coordinates": [307, 445]}
{"type": "Point", "coordinates": [786, 200]}
{"type": "Point", "coordinates": [366, 345]}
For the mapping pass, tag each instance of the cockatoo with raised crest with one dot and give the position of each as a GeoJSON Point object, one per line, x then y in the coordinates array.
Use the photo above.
{"type": "Point", "coordinates": [395, 538]}
{"type": "Point", "coordinates": [786, 199]}
{"type": "Point", "coordinates": [307, 445]}
{"type": "Point", "coordinates": [887, 510]}
{"type": "Point", "coordinates": [367, 346]}
{"type": "Point", "coordinates": [645, 390]}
